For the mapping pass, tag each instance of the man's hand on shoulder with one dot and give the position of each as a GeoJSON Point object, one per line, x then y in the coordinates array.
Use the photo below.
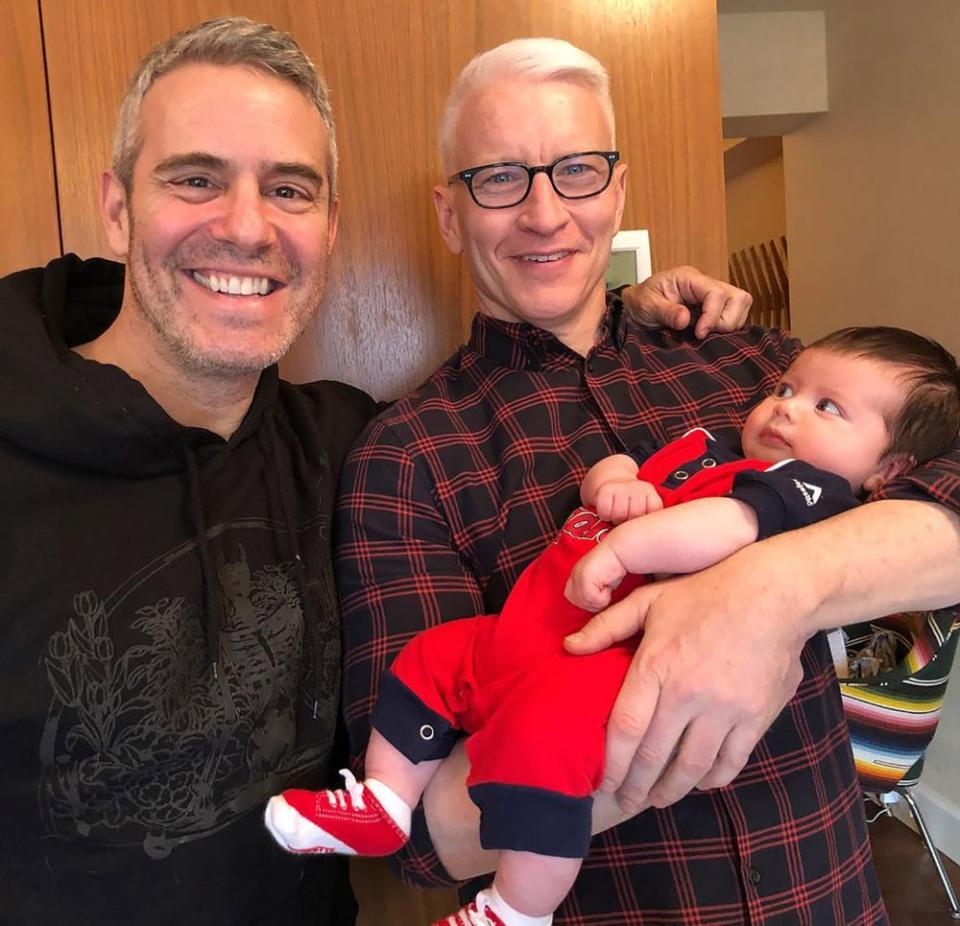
{"type": "Point", "coordinates": [661, 301]}
{"type": "Point", "coordinates": [717, 662]}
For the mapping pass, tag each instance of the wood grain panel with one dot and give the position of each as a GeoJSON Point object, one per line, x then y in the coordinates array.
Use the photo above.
{"type": "Point", "coordinates": [398, 302]}
{"type": "Point", "coordinates": [384, 901]}
{"type": "Point", "coordinates": [28, 232]}
{"type": "Point", "coordinates": [393, 310]}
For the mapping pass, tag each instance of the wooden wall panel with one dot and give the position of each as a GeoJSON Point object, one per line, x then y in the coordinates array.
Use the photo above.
{"type": "Point", "coordinates": [397, 302]}
{"type": "Point", "coordinates": [28, 231]}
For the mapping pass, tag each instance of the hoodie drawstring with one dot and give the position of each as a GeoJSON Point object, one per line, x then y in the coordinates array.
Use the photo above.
{"type": "Point", "coordinates": [312, 642]}
{"type": "Point", "coordinates": [212, 618]}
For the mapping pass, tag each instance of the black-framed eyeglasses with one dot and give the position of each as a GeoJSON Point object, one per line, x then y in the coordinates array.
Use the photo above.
{"type": "Point", "coordinates": [574, 176]}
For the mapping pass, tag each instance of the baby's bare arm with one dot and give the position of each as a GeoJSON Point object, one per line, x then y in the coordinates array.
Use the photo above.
{"type": "Point", "coordinates": [685, 538]}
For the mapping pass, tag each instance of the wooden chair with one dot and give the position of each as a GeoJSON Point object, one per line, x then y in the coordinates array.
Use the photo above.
{"type": "Point", "coordinates": [762, 271]}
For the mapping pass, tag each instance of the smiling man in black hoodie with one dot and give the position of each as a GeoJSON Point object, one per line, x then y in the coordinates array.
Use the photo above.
{"type": "Point", "coordinates": [169, 645]}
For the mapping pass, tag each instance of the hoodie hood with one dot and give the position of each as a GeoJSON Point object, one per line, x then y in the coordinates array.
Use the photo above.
{"type": "Point", "coordinates": [82, 414]}
{"type": "Point", "coordinates": [73, 411]}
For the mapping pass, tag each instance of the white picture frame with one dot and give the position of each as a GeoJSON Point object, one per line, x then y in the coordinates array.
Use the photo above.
{"type": "Point", "coordinates": [629, 258]}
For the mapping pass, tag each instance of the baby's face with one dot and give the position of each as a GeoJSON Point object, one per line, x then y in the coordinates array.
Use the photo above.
{"type": "Point", "coordinates": [829, 410]}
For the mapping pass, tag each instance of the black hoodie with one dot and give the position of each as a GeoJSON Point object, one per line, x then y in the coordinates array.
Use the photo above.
{"type": "Point", "coordinates": [169, 643]}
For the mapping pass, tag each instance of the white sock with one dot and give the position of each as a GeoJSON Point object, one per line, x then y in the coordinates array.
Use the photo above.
{"type": "Point", "coordinates": [397, 808]}
{"type": "Point", "coordinates": [510, 916]}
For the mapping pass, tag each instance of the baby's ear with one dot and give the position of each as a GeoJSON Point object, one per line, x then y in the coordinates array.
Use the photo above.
{"type": "Point", "coordinates": [890, 467]}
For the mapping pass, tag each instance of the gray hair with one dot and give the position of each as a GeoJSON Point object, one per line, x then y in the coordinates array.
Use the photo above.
{"type": "Point", "coordinates": [230, 40]}
{"type": "Point", "coordinates": [538, 59]}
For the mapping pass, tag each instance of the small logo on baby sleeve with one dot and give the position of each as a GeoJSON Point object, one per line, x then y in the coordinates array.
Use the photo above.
{"type": "Point", "coordinates": [811, 493]}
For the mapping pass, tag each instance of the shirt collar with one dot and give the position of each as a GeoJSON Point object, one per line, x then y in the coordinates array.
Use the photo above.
{"type": "Point", "coordinates": [523, 346]}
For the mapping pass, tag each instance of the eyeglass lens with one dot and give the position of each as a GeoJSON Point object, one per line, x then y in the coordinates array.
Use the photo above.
{"type": "Point", "coordinates": [573, 177]}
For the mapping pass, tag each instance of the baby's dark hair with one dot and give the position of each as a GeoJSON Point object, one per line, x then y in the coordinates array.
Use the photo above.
{"type": "Point", "coordinates": [928, 422]}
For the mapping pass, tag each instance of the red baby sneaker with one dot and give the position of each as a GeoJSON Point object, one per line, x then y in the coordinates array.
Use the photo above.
{"type": "Point", "coordinates": [348, 821]}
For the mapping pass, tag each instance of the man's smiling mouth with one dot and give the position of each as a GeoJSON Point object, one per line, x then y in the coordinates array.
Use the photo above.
{"type": "Point", "coordinates": [234, 285]}
{"type": "Point", "coordinates": [545, 258]}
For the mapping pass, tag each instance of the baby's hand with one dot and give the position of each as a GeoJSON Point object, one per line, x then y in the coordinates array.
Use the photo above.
{"type": "Point", "coordinates": [621, 500]}
{"type": "Point", "coordinates": [594, 578]}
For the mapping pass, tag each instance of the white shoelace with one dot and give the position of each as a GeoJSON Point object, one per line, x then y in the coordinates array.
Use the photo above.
{"type": "Point", "coordinates": [353, 792]}
{"type": "Point", "coordinates": [470, 916]}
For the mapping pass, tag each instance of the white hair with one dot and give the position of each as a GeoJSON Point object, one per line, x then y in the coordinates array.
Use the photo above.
{"type": "Point", "coordinates": [537, 59]}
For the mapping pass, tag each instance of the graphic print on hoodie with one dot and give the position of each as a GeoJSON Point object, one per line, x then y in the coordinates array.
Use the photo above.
{"type": "Point", "coordinates": [116, 718]}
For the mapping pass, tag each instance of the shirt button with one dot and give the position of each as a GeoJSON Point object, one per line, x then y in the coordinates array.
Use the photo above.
{"type": "Point", "coordinates": [753, 876]}
{"type": "Point", "coordinates": [591, 365]}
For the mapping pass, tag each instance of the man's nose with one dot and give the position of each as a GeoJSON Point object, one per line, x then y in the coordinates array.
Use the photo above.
{"type": "Point", "coordinates": [544, 211]}
{"type": "Point", "coordinates": [245, 218]}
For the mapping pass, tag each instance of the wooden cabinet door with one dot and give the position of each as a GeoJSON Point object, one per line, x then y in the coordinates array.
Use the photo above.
{"type": "Point", "coordinates": [28, 231]}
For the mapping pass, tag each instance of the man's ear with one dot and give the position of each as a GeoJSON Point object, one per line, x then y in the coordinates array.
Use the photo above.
{"type": "Point", "coordinates": [890, 467]}
{"type": "Point", "coordinates": [333, 223]}
{"type": "Point", "coordinates": [115, 214]}
{"type": "Point", "coordinates": [619, 184]}
{"type": "Point", "coordinates": [443, 202]}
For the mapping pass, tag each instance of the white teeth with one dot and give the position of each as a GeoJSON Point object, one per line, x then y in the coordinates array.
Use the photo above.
{"type": "Point", "coordinates": [235, 286]}
{"type": "Point", "coordinates": [545, 258]}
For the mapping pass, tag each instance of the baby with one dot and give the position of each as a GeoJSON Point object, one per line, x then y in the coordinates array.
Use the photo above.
{"type": "Point", "coordinates": [853, 411]}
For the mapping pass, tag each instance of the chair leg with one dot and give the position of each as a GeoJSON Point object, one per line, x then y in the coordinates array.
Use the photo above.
{"type": "Point", "coordinates": [932, 849]}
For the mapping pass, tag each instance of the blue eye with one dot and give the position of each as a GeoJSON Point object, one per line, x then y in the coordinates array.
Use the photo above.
{"type": "Point", "coordinates": [783, 391]}
{"type": "Point", "coordinates": [576, 167]}
{"type": "Point", "coordinates": [499, 177]}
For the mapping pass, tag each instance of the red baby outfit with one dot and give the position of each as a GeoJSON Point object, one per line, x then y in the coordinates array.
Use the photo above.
{"type": "Point", "coordinates": [536, 716]}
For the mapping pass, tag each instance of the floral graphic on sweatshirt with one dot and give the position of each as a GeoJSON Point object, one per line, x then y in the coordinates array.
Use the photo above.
{"type": "Point", "coordinates": [148, 746]}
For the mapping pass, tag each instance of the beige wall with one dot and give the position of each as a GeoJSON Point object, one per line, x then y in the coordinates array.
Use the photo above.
{"type": "Point", "coordinates": [873, 186]}
{"type": "Point", "coordinates": [755, 205]}
{"type": "Point", "coordinates": [941, 773]}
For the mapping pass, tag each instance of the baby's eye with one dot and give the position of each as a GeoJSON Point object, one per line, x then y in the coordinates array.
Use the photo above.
{"type": "Point", "coordinates": [783, 391]}
{"type": "Point", "coordinates": [829, 406]}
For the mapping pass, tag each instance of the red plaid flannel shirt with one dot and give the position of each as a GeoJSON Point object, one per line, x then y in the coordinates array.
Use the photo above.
{"type": "Point", "coordinates": [450, 494]}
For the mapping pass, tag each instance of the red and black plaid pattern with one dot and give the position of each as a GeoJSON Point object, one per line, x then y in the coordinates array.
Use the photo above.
{"type": "Point", "coordinates": [456, 488]}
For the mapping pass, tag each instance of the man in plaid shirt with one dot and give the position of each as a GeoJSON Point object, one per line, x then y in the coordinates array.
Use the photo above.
{"type": "Point", "coordinates": [728, 733]}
